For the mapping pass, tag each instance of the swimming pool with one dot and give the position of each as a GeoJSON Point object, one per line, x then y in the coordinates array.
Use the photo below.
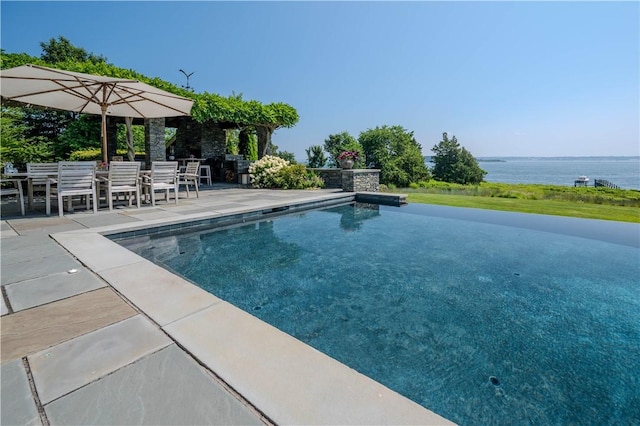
{"type": "Point", "coordinates": [482, 317]}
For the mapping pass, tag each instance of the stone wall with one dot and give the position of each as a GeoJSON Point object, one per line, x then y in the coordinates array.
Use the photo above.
{"type": "Point", "coordinates": [213, 140]}
{"type": "Point", "coordinates": [332, 177]}
{"type": "Point", "coordinates": [350, 180]}
{"type": "Point", "coordinates": [206, 140]}
{"type": "Point", "coordinates": [361, 180]}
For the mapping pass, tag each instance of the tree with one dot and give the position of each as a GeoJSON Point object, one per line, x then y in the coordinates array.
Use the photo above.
{"type": "Point", "coordinates": [339, 142]}
{"type": "Point", "coordinates": [62, 50]}
{"type": "Point", "coordinates": [17, 147]}
{"type": "Point", "coordinates": [315, 157]}
{"type": "Point", "coordinates": [80, 134]}
{"type": "Point", "coordinates": [396, 153]}
{"type": "Point", "coordinates": [453, 163]}
{"type": "Point", "coordinates": [286, 155]}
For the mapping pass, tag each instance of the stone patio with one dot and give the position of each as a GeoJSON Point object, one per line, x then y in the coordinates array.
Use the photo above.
{"type": "Point", "coordinates": [93, 335]}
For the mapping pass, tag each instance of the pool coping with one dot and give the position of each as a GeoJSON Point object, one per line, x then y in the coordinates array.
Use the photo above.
{"type": "Point", "coordinates": [284, 378]}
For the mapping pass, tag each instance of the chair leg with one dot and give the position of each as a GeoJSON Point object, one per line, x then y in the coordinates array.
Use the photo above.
{"type": "Point", "coordinates": [60, 205]}
{"type": "Point", "coordinates": [95, 201]}
{"type": "Point", "coordinates": [195, 183]}
{"type": "Point", "coordinates": [30, 193]}
{"type": "Point", "coordinates": [153, 197]}
{"type": "Point", "coordinates": [20, 197]}
{"type": "Point", "coordinates": [138, 197]}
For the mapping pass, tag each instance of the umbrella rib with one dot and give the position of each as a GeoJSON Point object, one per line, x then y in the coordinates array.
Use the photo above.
{"type": "Point", "coordinates": [141, 94]}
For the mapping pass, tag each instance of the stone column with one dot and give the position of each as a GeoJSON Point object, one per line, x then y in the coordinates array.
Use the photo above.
{"type": "Point", "coordinates": [213, 140]}
{"type": "Point", "coordinates": [154, 141]}
{"type": "Point", "coordinates": [112, 138]}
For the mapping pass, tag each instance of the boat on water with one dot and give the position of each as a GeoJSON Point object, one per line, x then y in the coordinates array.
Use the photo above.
{"type": "Point", "coordinates": [581, 181]}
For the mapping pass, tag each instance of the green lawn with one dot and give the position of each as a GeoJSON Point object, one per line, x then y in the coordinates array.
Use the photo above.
{"type": "Point", "coordinates": [551, 207]}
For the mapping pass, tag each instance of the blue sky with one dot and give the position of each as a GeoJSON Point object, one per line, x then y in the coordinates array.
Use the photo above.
{"type": "Point", "coordinates": [506, 78]}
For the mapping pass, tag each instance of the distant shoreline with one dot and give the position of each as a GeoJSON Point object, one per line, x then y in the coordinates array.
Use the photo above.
{"type": "Point", "coordinates": [504, 159]}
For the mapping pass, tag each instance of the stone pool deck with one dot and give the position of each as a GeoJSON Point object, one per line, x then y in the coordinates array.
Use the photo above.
{"type": "Point", "coordinates": [93, 334]}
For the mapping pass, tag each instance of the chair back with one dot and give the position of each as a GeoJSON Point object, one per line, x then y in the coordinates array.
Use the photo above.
{"type": "Point", "coordinates": [164, 171]}
{"type": "Point", "coordinates": [76, 175]}
{"type": "Point", "coordinates": [44, 168]}
{"type": "Point", "coordinates": [124, 173]}
{"type": "Point", "coordinates": [192, 168]}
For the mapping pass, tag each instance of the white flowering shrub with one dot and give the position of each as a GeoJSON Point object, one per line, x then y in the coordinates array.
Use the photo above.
{"type": "Point", "coordinates": [264, 172]}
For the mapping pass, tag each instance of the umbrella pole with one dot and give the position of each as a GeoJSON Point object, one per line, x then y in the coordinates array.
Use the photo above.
{"type": "Point", "coordinates": [105, 157]}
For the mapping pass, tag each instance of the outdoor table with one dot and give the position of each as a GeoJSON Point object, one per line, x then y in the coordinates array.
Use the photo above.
{"type": "Point", "coordinates": [29, 176]}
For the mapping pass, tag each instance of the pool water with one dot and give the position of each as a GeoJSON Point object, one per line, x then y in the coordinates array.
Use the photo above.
{"type": "Point", "coordinates": [482, 317]}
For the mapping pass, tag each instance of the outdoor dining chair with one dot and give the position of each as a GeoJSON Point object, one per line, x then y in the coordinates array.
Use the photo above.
{"type": "Point", "coordinates": [123, 177]}
{"type": "Point", "coordinates": [191, 175]}
{"type": "Point", "coordinates": [38, 174]}
{"type": "Point", "coordinates": [15, 189]}
{"type": "Point", "coordinates": [75, 178]}
{"type": "Point", "coordinates": [163, 177]}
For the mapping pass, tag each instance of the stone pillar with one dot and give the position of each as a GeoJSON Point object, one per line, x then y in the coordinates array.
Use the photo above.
{"type": "Point", "coordinates": [187, 138]}
{"type": "Point", "coordinates": [112, 138]}
{"type": "Point", "coordinates": [361, 180]}
{"type": "Point", "coordinates": [213, 140]}
{"type": "Point", "coordinates": [154, 141]}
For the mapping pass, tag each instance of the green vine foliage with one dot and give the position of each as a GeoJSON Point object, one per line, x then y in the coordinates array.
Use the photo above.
{"type": "Point", "coordinates": [206, 107]}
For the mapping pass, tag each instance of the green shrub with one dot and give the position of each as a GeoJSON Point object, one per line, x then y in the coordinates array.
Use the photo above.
{"type": "Point", "coordinates": [297, 176]}
{"type": "Point", "coordinates": [95, 154]}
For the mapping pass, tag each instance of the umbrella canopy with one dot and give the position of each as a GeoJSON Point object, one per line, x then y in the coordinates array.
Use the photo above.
{"type": "Point", "coordinates": [90, 94]}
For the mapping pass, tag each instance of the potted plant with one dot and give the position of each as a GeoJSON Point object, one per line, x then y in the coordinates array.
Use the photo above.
{"type": "Point", "coordinates": [348, 159]}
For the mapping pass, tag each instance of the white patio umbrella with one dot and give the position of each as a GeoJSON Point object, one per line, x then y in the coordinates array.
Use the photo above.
{"type": "Point", "coordinates": [90, 94]}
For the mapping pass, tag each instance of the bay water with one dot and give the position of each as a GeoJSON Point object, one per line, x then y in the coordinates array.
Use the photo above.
{"type": "Point", "coordinates": [621, 171]}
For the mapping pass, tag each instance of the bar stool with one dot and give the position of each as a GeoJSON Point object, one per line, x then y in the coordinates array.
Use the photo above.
{"type": "Point", "coordinates": [205, 174]}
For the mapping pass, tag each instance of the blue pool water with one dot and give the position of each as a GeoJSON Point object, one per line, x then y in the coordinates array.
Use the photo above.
{"type": "Point", "coordinates": [483, 317]}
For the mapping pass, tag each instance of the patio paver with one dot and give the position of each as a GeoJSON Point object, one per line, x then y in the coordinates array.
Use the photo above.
{"type": "Point", "coordinates": [39, 291]}
{"type": "Point", "coordinates": [18, 406]}
{"type": "Point", "coordinates": [165, 388]}
{"type": "Point", "coordinates": [35, 329]}
{"type": "Point", "coordinates": [70, 365]}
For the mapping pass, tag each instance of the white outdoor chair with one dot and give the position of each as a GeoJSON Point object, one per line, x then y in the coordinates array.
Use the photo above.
{"type": "Point", "coordinates": [124, 177]}
{"type": "Point", "coordinates": [16, 190]}
{"type": "Point", "coordinates": [76, 178]}
{"type": "Point", "coordinates": [191, 175]}
{"type": "Point", "coordinates": [38, 174]}
{"type": "Point", "coordinates": [163, 177]}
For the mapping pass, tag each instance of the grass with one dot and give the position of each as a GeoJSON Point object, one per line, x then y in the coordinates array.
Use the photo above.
{"type": "Point", "coordinates": [589, 203]}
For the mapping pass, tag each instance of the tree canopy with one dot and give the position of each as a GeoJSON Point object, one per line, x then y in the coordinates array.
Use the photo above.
{"type": "Point", "coordinates": [339, 142]}
{"type": "Point", "coordinates": [396, 153]}
{"type": "Point", "coordinates": [454, 164]}
{"type": "Point", "coordinates": [61, 50]}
